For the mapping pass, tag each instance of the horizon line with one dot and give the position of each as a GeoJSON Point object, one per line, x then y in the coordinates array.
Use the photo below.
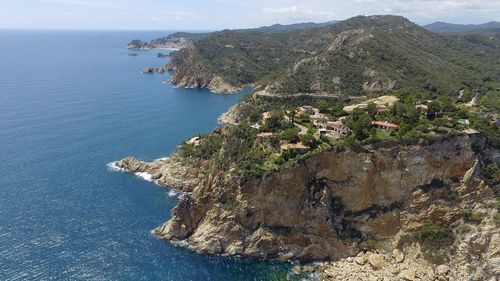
{"type": "Point", "coordinates": [205, 30]}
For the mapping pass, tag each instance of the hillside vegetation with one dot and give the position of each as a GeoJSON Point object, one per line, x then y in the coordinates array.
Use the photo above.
{"type": "Point", "coordinates": [358, 56]}
{"type": "Point", "coordinates": [443, 27]}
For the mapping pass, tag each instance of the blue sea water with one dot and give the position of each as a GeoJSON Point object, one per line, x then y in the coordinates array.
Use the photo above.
{"type": "Point", "coordinates": [71, 102]}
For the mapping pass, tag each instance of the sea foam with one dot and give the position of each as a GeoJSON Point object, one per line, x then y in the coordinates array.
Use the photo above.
{"type": "Point", "coordinates": [173, 193]}
{"type": "Point", "coordinates": [114, 168]}
{"type": "Point", "coordinates": [145, 176]}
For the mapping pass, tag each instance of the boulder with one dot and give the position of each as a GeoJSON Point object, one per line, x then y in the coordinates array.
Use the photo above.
{"type": "Point", "coordinates": [296, 270]}
{"type": "Point", "coordinates": [409, 274]}
{"type": "Point", "coordinates": [148, 70]}
{"type": "Point", "coordinates": [398, 255]}
{"type": "Point", "coordinates": [442, 269]}
{"type": "Point", "coordinates": [377, 261]}
{"type": "Point", "coordinates": [430, 273]}
{"type": "Point", "coordinates": [361, 260]}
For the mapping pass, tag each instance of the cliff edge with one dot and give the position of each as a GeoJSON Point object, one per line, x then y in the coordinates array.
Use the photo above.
{"type": "Point", "coordinates": [324, 207]}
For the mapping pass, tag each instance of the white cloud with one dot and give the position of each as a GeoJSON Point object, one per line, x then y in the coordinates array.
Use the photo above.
{"type": "Point", "coordinates": [297, 13]}
{"type": "Point", "coordinates": [89, 3]}
{"type": "Point", "coordinates": [220, 14]}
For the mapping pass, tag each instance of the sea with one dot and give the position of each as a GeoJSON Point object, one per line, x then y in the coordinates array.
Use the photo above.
{"type": "Point", "coordinates": [71, 103]}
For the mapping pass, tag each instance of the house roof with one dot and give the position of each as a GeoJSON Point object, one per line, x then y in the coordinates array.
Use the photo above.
{"type": "Point", "coordinates": [265, 134]}
{"type": "Point", "coordinates": [384, 124]}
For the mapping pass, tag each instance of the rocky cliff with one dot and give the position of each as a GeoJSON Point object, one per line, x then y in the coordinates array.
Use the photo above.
{"type": "Point", "coordinates": [323, 207]}
{"type": "Point", "coordinates": [188, 71]}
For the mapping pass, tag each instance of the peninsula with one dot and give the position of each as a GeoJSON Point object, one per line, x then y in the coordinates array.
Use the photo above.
{"type": "Point", "coordinates": [371, 144]}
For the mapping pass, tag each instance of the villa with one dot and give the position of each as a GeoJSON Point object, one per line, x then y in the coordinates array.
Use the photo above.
{"type": "Point", "coordinates": [384, 125]}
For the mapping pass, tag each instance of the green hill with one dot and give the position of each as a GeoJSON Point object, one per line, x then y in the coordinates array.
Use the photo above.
{"type": "Point", "coordinates": [443, 27]}
{"type": "Point", "coordinates": [358, 56]}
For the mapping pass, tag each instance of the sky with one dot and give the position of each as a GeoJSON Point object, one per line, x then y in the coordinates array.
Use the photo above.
{"type": "Point", "coordinates": [221, 14]}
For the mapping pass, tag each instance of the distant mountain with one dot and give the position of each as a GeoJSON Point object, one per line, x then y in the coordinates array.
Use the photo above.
{"type": "Point", "coordinates": [287, 27]}
{"type": "Point", "coordinates": [179, 40]}
{"type": "Point", "coordinates": [443, 27]}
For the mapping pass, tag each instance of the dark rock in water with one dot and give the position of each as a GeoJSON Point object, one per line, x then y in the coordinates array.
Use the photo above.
{"type": "Point", "coordinates": [148, 70]}
{"type": "Point", "coordinates": [132, 54]}
{"type": "Point", "coordinates": [162, 56]}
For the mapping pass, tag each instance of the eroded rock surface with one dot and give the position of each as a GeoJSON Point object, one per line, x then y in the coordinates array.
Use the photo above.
{"type": "Point", "coordinates": [312, 210]}
{"type": "Point", "coordinates": [324, 206]}
{"type": "Point", "coordinates": [188, 72]}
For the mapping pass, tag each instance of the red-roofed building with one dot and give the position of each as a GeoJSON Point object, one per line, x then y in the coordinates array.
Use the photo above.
{"type": "Point", "coordinates": [384, 125]}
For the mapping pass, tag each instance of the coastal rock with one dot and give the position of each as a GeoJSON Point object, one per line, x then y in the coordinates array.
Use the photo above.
{"type": "Point", "coordinates": [361, 260]}
{"type": "Point", "coordinates": [377, 261]}
{"type": "Point", "coordinates": [170, 172]}
{"type": "Point", "coordinates": [313, 210]}
{"type": "Point", "coordinates": [160, 70]}
{"type": "Point", "coordinates": [189, 73]}
{"type": "Point", "coordinates": [398, 255]}
{"type": "Point", "coordinates": [220, 86]}
{"type": "Point", "coordinates": [296, 270]}
{"type": "Point", "coordinates": [148, 70]}
{"type": "Point", "coordinates": [409, 274]}
{"type": "Point", "coordinates": [442, 269]}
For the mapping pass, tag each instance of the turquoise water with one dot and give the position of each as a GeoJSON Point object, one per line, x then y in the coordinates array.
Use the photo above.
{"type": "Point", "coordinates": [71, 102]}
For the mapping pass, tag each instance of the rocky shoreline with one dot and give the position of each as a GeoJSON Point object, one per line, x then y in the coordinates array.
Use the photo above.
{"type": "Point", "coordinates": [168, 172]}
{"type": "Point", "coordinates": [311, 211]}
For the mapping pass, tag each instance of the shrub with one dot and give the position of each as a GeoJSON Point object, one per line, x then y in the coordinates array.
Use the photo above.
{"type": "Point", "coordinates": [491, 174]}
{"type": "Point", "coordinates": [435, 241]}
{"type": "Point", "coordinates": [279, 161]}
{"type": "Point", "coordinates": [439, 235]}
{"type": "Point", "coordinates": [308, 140]}
{"type": "Point", "coordinates": [291, 135]}
{"type": "Point", "coordinates": [471, 217]}
{"type": "Point", "coordinates": [372, 244]}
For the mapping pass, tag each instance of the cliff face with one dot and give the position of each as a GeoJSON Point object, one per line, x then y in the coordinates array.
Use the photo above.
{"type": "Point", "coordinates": [188, 71]}
{"type": "Point", "coordinates": [317, 209]}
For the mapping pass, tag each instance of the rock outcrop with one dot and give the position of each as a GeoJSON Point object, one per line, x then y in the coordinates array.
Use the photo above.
{"type": "Point", "coordinates": [476, 246]}
{"type": "Point", "coordinates": [169, 172]}
{"type": "Point", "coordinates": [150, 70]}
{"type": "Point", "coordinates": [321, 208]}
{"type": "Point", "coordinates": [192, 73]}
